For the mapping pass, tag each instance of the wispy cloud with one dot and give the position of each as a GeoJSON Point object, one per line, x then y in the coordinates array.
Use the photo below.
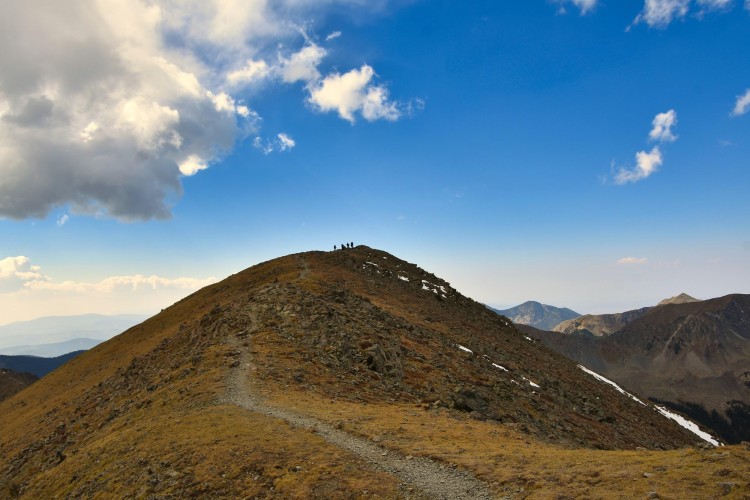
{"type": "Point", "coordinates": [62, 220]}
{"type": "Point", "coordinates": [282, 142]}
{"type": "Point", "coordinates": [585, 6]}
{"type": "Point", "coordinates": [627, 261]}
{"type": "Point", "coordinates": [661, 13]}
{"type": "Point", "coordinates": [285, 142]}
{"type": "Point", "coordinates": [742, 104]}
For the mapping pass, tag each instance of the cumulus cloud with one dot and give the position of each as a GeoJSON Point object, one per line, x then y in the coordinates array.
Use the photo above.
{"type": "Point", "coordinates": [662, 127]}
{"type": "Point", "coordinates": [351, 93]}
{"type": "Point", "coordinates": [742, 104]}
{"type": "Point", "coordinates": [632, 260]}
{"type": "Point", "coordinates": [646, 163]}
{"type": "Point", "coordinates": [16, 271]}
{"type": "Point", "coordinates": [102, 116]}
{"type": "Point", "coordinates": [108, 117]}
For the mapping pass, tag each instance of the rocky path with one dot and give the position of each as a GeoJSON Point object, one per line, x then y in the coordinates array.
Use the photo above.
{"type": "Point", "coordinates": [425, 477]}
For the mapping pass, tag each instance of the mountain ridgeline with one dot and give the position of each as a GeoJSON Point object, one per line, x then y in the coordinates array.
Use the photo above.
{"type": "Point", "coordinates": [600, 325]}
{"type": "Point", "coordinates": [330, 374]}
{"type": "Point", "coordinates": [687, 354]}
{"type": "Point", "coordinates": [538, 315]}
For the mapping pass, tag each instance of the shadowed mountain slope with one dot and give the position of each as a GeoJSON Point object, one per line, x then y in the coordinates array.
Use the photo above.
{"type": "Point", "coordinates": [284, 379]}
{"type": "Point", "coordinates": [538, 315]}
{"type": "Point", "coordinates": [12, 382]}
{"type": "Point", "coordinates": [600, 325]}
{"type": "Point", "coordinates": [690, 352]}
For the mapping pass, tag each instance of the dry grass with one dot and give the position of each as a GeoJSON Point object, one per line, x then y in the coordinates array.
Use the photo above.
{"type": "Point", "coordinates": [213, 451]}
{"type": "Point", "coordinates": [516, 464]}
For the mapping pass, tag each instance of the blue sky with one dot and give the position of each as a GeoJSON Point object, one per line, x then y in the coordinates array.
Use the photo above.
{"type": "Point", "coordinates": [586, 154]}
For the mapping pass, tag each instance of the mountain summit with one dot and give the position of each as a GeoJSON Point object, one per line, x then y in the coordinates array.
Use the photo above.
{"type": "Point", "coordinates": [538, 315]}
{"type": "Point", "coordinates": [682, 298]}
{"type": "Point", "coordinates": [325, 374]}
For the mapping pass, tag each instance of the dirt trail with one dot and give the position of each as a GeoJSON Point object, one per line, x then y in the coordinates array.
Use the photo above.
{"type": "Point", "coordinates": [430, 478]}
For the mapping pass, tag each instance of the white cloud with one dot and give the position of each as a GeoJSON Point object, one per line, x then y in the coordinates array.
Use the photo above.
{"type": "Point", "coordinates": [101, 116]}
{"type": "Point", "coordinates": [285, 142]}
{"type": "Point", "coordinates": [742, 104]}
{"type": "Point", "coordinates": [282, 142]}
{"type": "Point", "coordinates": [105, 118]}
{"type": "Point", "coordinates": [662, 127]}
{"type": "Point", "coordinates": [646, 164]}
{"type": "Point", "coordinates": [303, 65]}
{"type": "Point", "coordinates": [251, 72]}
{"type": "Point", "coordinates": [632, 260]}
{"type": "Point", "coordinates": [333, 36]}
{"type": "Point", "coordinates": [715, 4]}
{"type": "Point", "coordinates": [584, 5]}
{"type": "Point", "coordinates": [351, 93]}
{"type": "Point", "coordinates": [192, 165]}
{"type": "Point", "coordinates": [62, 220]}
{"type": "Point", "coordinates": [26, 292]}
{"type": "Point", "coordinates": [132, 283]}
{"type": "Point", "coordinates": [659, 13]}
{"type": "Point", "coordinates": [15, 271]}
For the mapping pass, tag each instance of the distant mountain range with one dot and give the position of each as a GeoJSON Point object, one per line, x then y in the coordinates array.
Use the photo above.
{"type": "Point", "coordinates": [538, 315]}
{"type": "Point", "coordinates": [51, 350]}
{"type": "Point", "coordinates": [56, 329]}
{"type": "Point", "coordinates": [36, 365]}
{"type": "Point", "coordinates": [693, 355]}
{"type": "Point", "coordinates": [605, 324]}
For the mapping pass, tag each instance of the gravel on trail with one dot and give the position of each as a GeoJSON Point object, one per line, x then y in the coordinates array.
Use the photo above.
{"type": "Point", "coordinates": [428, 477]}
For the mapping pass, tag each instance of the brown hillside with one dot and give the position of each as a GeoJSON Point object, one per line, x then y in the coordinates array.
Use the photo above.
{"type": "Point", "coordinates": [329, 375]}
{"type": "Point", "coordinates": [12, 382]}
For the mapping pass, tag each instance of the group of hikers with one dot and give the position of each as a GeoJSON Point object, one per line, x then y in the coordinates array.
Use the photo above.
{"type": "Point", "coordinates": [345, 245]}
